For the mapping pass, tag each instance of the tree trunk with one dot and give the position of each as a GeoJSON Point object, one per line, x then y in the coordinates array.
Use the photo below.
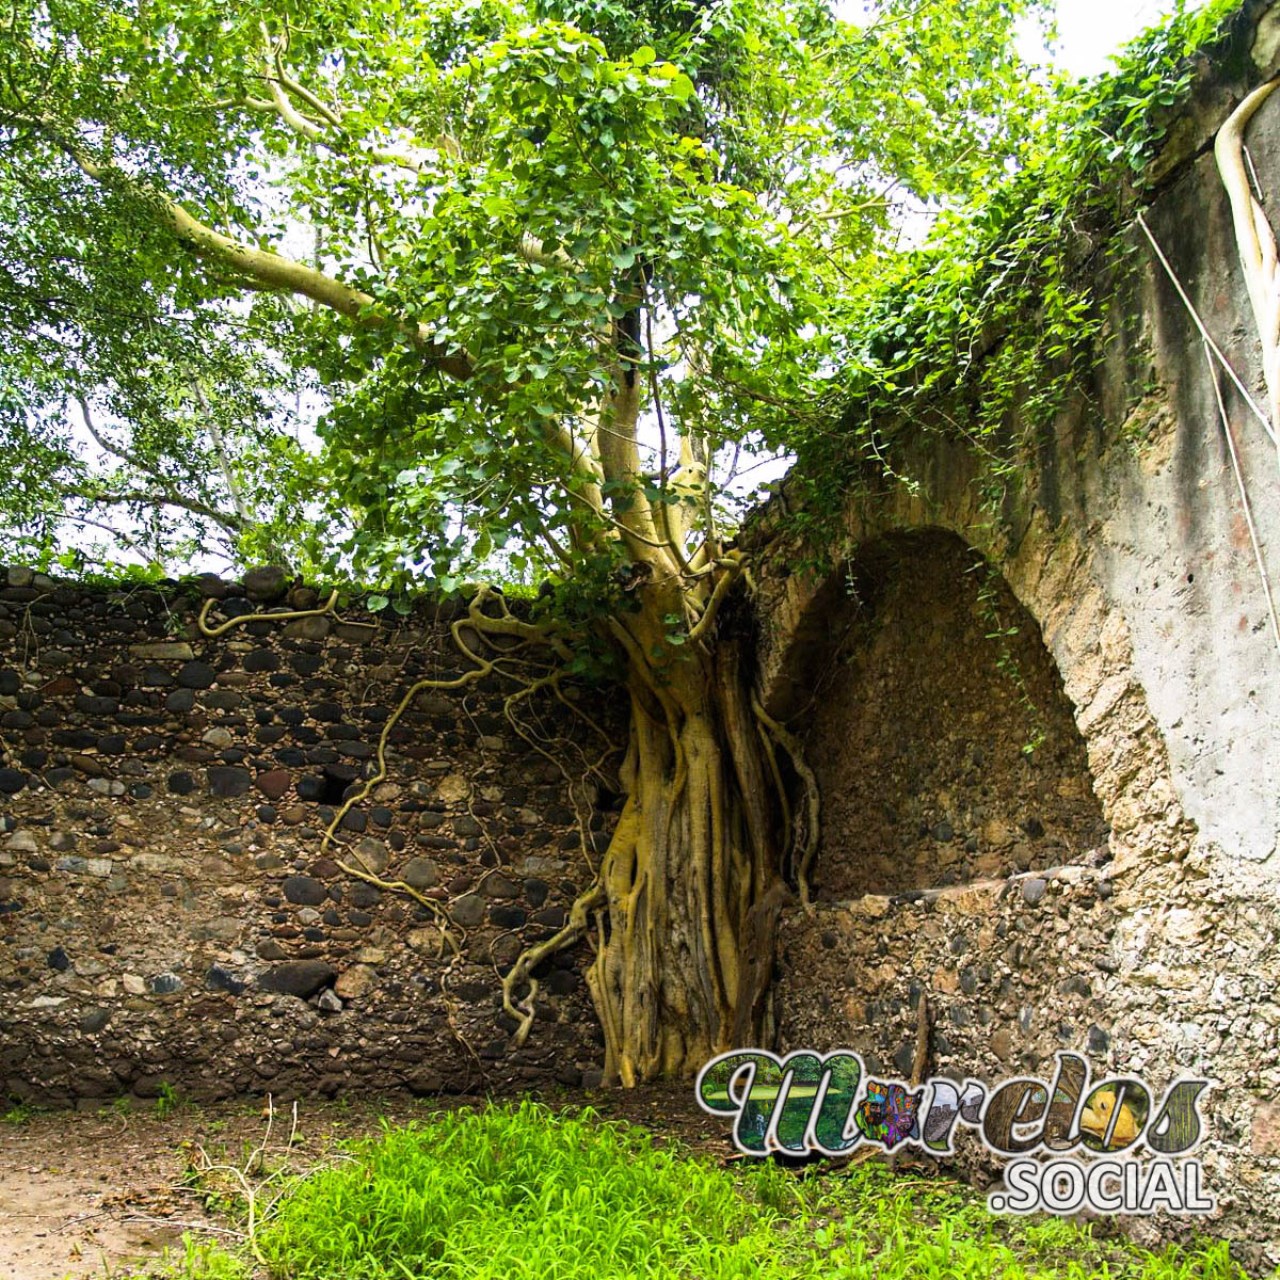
{"type": "Point", "coordinates": [692, 874]}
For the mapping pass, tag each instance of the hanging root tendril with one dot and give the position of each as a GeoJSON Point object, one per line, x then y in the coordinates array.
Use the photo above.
{"type": "Point", "coordinates": [520, 974]}
{"type": "Point", "coordinates": [512, 636]}
{"type": "Point", "coordinates": [806, 833]}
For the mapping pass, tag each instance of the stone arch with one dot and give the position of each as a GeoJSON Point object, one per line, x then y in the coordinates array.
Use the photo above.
{"type": "Point", "coordinates": [935, 719]}
{"type": "Point", "coordinates": [1022, 963]}
{"type": "Point", "coordinates": [1054, 574]}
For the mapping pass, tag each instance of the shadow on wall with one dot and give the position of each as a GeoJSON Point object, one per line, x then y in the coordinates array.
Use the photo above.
{"type": "Point", "coordinates": [945, 747]}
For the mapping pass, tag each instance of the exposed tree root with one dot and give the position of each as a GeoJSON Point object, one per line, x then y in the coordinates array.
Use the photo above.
{"type": "Point", "coordinates": [1260, 259]}
{"type": "Point", "coordinates": [517, 1001]}
{"type": "Point", "coordinates": [802, 837]}
{"type": "Point", "coordinates": [692, 875]}
{"type": "Point", "coordinates": [1255, 239]}
{"type": "Point", "coordinates": [521, 973]}
{"type": "Point", "coordinates": [330, 606]}
{"type": "Point", "coordinates": [683, 908]}
{"type": "Point", "coordinates": [448, 938]}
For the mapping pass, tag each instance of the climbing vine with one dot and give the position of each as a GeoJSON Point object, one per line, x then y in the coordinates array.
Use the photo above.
{"type": "Point", "coordinates": [986, 332]}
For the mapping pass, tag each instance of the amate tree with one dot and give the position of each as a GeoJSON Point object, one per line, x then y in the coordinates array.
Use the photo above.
{"type": "Point", "coordinates": [551, 271]}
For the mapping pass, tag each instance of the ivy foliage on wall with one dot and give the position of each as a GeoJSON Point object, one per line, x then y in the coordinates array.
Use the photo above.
{"type": "Point", "coordinates": [987, 330]}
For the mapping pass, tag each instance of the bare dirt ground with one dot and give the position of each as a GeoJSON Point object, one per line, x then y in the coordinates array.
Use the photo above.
{"type": "Point", "coordinates": [82, 1194]}
{"type": "Point", "coordinates": [92, 1195]}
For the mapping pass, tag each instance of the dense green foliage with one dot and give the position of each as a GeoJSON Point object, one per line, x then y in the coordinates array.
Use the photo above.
{"type": "Point", "coordinates": [511, 1193]}
{"type": "Point", "coordinates": [988, 329]}
{"type": "Point", "coordinates": [720, 179]}
{"type": "Point", "coordinates": [191, 408]}
{"type": "Point", "coordinates": [541, 197]}
{"type": "Point", "coordinates": [525, 1193]}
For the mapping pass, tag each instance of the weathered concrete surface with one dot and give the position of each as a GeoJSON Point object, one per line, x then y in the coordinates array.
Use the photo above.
{"type": "Point", "coordinates": [1127, 546]}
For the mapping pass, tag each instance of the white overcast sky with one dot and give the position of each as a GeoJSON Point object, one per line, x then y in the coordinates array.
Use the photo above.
{"type": "Point", "coordinates": [1089, 31]}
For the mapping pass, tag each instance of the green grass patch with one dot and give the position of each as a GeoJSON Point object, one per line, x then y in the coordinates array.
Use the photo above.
{"type": "Point", "coordinates": [878, 1225]}
{"type": "Point", "coordinates": [520, 1191]}
{"type": "Point", "coordinates": [17, 1112]}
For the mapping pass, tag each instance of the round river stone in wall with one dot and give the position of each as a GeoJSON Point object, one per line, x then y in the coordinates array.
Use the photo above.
{"type": "Point", "coordinates": [301, 978]}
{"type": "Point", "coordinates": [420, 873]}
{"type": "Point", "coordinates": [305, 890]}
{"type": "Point", "coordinates": [196, 675]}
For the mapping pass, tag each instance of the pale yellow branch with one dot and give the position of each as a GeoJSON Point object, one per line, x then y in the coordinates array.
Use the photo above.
{"type": "Point", "coordinates": [728, 578]}
{"type": "Point", "coordinates": [621, 529]}
{"type": "Point", "coordinates": [272, 269]}
{"type": "Point", "coordinates": [619, 456]}
{"type": "Point", "coordinates": [414, 159]}
{"type": "Point", "coordinates": [279, 99]}
{"type": "Point", "coordinates": [328, 114]}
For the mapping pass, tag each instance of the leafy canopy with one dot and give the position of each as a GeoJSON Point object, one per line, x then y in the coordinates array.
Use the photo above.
{"type": "Point", "coordinates": [987, 331]}
{"type": "Point", "coordinates": [540, 273]}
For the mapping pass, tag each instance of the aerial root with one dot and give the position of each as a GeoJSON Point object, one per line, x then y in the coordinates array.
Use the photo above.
{"type": "Point", "coordinates": [520, 974]}
{"type": "Point", "coordinates": [519, 987]}
{"type": "Point", "coordinates": [330, 606]}
{"type": "Point", "coordinates": [804, 834]}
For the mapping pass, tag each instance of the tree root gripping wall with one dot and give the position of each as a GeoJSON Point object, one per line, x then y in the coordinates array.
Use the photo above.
{"type": "Point", "coordinates": [1125, 541]}
{"type": "Point", "coordinates": [166, 912]}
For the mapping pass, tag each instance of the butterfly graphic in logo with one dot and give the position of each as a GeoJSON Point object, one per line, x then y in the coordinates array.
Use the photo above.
{"type": "Point", "coordinates": [888, 1114]}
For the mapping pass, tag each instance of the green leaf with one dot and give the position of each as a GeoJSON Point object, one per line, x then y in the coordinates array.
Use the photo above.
{"type": "Point", "coordinates": [706, 144]}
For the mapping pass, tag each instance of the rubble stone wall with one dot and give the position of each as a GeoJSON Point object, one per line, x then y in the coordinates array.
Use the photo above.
{"type": "Point", "coordinates": [945, 749]}
{"type": "Point", "coordinates": [167, 913]}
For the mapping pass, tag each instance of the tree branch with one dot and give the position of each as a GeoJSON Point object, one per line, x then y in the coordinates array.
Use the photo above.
{"type": "Point", "coordinates": [231, 523]}
{"type": "Point", "coordinates": [106, 445]}
{"type": "Point", "coordinates": [673, 536]}
{"type": "Point", "coordinates": [270, 269]}
{"type": "Point", "coordinates": [224, 462]}
{"type": "Point", "coordinates": [728, 577]}
{"type": "Point", "coordinates": [618, 449]}
{"type": "Point", "coordinates": [273, 271]}
{"type": "Point", "coordinates": [235, 524]}
{"type": "Point", "coordinates": [415, 159]}
{"type": "Point", "coordinates": [284, 87]}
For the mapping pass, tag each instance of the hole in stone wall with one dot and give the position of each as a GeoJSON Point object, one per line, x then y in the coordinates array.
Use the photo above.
{"type": "Point", "coordinates": [331, 786]}
{"type": "Point", "coordinates": [946, 749]}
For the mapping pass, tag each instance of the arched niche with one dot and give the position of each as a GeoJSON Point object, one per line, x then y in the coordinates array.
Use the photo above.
{"type": "Point", "coordinates": [936, 722]}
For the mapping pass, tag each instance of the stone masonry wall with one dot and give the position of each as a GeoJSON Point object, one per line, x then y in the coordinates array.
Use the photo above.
{"type": "Point", "coordinates": [166, 913]}
{"type": "Point", "coordinates": [1127, 545]}
{"type": "Point", "coordinates": [955, 865]}
{"type": "Point", "coordinates": [944, 746]}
